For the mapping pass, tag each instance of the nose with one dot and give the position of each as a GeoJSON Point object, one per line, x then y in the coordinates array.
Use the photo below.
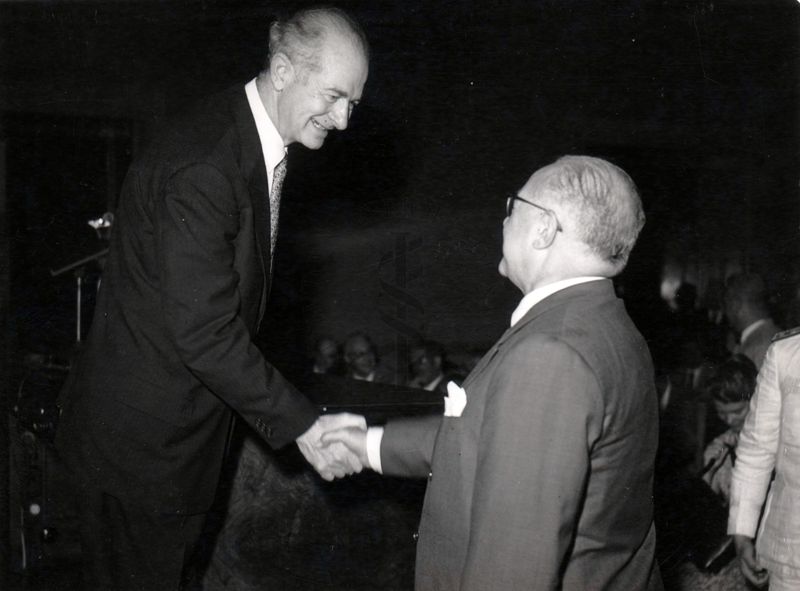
{"type": "Point", "coordinates": [340, 114]}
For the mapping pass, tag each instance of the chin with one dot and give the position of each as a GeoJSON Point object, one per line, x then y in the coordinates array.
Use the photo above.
{"type": "Point", "coordinates": [502, 268]}
{"type": "Point", "coordinates": [314, 143]}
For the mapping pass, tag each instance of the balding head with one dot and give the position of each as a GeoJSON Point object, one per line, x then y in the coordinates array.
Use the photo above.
{"type": "Point", "coordinates": [602, 202]}
{"type": "Point", "coordinates": [578, 216]}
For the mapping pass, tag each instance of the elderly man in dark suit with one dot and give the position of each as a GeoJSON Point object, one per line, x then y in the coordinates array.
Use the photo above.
{"type": "Point", "coordinates": [170, 356]}
{"type": "Point", "coordinates": [541, 471]}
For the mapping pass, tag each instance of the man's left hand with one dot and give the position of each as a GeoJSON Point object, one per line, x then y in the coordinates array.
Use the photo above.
{"type": "Point", "coordinates": [333, 460]}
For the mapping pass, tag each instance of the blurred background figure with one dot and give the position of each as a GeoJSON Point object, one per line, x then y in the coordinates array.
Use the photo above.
{"type": "Point", "coordinates": [730, 389]}
{"type": "Point", "coordinates": [362, 361]}
{"type": "Point", "coordinates": [748, 314]}
{"type": "Point", "coordinates": [692, 499]}
{"type": "Point", "coordinates": [327, 357]}
{"type": "Point", "coordinates": [428, 367]}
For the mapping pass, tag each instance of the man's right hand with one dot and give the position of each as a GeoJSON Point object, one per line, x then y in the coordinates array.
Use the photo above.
{"type": "Point", "coordinates": [354, 439]}
{"type": "Point", "coordinates": [331, 459]}
{"type": "Point", "coordinates": [748, 563]}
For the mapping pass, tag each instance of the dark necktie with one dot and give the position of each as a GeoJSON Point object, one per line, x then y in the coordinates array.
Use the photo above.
{"type": "Point", "coordinates": [275, 203]}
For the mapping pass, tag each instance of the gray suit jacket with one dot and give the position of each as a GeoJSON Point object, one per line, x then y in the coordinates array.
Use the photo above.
{"type": "Point", "coordinates": [545, 481]}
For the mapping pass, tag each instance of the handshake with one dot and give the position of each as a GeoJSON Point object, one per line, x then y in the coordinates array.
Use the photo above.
{"type": "Point", "coordinates": [336, 445]}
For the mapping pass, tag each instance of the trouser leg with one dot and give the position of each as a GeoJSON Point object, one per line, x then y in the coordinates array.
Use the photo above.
{"type": "Point", "coordinates": [127, 548]}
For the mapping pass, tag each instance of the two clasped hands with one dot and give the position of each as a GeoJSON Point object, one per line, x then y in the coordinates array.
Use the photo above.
{"type": "Point", "coordinates": [335, 445]}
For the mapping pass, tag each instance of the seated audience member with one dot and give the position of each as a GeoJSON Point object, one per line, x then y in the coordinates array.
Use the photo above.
{"type": "Point", "coordinates": [748, 315]}
{"type": "Point", "coordinates": [427, 365]}
{"type": "Point", "coordinates": [692, 515]}
{"type": "Point", "coordinates": [765, 486]}
{"type": "Point", "coordinates": [730, 388]}
{"type": "Point", "coordinates": [327, 359]}
{"type": "Point", "coordinates": [361, 359]}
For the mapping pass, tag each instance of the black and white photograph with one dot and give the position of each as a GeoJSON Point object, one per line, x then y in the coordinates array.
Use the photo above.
{"type": "Point", "coordinates": [400, 295]}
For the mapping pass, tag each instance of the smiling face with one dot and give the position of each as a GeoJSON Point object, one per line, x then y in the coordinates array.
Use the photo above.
{"type": "Point", "coordinates": [313, 102]}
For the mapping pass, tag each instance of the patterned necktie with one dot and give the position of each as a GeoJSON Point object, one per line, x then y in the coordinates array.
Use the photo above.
{"type": "Point", "coordinates": [275, 202]}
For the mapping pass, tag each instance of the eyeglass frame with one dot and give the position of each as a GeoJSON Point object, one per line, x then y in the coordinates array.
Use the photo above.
{"type": "Point", "coordinates": [510, 208]}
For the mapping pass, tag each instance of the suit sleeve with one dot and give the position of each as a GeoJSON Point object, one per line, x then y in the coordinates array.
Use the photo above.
{"type": "Point", "coordinates": [542, 416]}
{"type": "Point", "coordinates": [407, 446]}
{"type": "Point", "coordinates": [196, 225]}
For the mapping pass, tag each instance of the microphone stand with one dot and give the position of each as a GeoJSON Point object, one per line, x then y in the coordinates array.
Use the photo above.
{"type": "Point", "coordinates": [79, 267]}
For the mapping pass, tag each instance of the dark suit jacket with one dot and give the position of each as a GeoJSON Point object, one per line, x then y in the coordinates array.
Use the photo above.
{"type": "Point", "coordinates": [170, 353]}
{"type": "Point", "coordinates": [545, 480]}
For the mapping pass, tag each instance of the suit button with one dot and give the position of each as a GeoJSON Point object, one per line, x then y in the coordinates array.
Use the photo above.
{"type": "Point", "coordinates": [415, 536]}
{"type": "Point", "coordinates": [430, 475]}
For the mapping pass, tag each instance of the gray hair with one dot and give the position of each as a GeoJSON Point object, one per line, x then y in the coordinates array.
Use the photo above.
{"type": "Point", "coordinates": [604, 204]}
{"type": "Point", "coordinates": [302, 35]}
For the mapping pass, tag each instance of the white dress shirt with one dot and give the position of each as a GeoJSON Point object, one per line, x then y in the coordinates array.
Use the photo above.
{"type": "Point", "coordinates": [271, 141]}
{"type": "Point", "coordinates": [751, 329]}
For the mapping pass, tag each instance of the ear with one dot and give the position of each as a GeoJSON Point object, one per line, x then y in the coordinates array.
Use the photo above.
{"type": "Point", "coordinates": [544, 231]}
{"type": "Point", "coordinates": [281, 71]}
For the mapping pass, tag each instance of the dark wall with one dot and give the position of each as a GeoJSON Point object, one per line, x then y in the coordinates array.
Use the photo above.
{"type": "Point", "coordinates": [394, 226]}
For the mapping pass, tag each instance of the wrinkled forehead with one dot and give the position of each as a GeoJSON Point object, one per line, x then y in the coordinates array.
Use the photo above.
{"type": "Point", "coordinates": [342, 69]}
{"type": "Point", "coordinates": [343, 48]}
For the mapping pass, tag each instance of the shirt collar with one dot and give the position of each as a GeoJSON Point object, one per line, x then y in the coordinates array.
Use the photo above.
{"type": "Point", "coordinates": [271, 142]}
{"type": "Point", "coordinates": [540, 293]}
{"type": "Point", "coordinates": [367, 378]}
{"type": "Point", "coordinates": [751, 329]}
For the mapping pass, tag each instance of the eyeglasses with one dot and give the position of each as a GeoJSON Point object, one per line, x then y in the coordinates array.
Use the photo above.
{"type": "Point", "coordinates": [510, 207]}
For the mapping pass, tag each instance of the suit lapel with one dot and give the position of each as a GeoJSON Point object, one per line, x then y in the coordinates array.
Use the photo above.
{"type": "Point", "coordinates": [254, 170]}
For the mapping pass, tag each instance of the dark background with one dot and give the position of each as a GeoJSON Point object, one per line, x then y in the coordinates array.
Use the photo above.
{"type": "Point", "coordinates": [394, 226]}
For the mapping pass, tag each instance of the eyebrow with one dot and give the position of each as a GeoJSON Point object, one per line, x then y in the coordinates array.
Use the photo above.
{"type": "Point", "coordinates": [341, 93]}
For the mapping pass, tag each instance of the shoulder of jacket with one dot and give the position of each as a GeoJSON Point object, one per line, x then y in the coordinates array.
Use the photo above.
{"type": "Point", "coordinates": [785, 334]}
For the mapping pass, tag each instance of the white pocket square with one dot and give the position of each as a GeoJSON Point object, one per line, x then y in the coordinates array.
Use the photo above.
{"type": "Point", "coordinates": [455, 401]}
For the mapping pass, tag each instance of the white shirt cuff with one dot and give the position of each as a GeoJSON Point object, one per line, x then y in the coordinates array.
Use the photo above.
{"type": "Point", "coordinates": [374, 438]}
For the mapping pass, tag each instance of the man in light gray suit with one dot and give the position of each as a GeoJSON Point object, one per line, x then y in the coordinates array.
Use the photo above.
{"type": "Point", "coordinates": [541, 471]}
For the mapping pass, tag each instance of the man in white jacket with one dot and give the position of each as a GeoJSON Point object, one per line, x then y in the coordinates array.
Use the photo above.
{"type": "Point", "coordinates": [770, 440]}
